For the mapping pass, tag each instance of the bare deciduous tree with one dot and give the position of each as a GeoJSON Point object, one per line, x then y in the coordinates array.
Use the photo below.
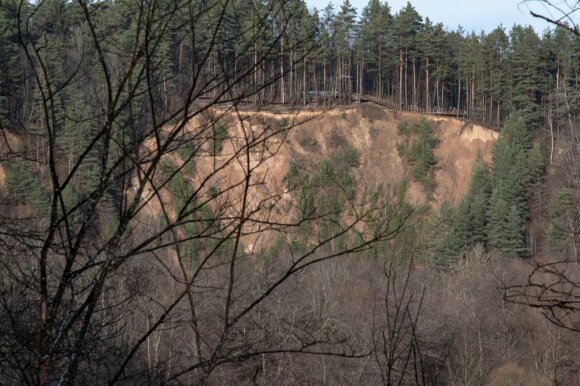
{"type": "Point", "coordinates": [559, 13]}
{"type": "Point", "coordinates": [132, 267]}
{"type": "Point", "coordinates": [397, 346]}
{"type": "Point", "coordinates": [554, 288]}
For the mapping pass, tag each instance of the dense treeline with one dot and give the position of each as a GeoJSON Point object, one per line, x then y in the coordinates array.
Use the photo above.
{"type": "Point", "coordinates": [319, 57]}
{"type": "Point", "coordinates": [495, 210]}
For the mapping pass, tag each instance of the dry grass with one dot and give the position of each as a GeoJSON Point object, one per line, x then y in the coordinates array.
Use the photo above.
{"type": "Point", "coordinates": [511, 374]}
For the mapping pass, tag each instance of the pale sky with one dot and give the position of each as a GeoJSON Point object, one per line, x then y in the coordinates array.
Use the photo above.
{"type": "Point", "coordinates": [472, 15]}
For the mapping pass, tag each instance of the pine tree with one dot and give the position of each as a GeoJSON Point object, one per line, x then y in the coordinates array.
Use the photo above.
{"type": "Point", "coordinates": [564, 231]}
{"type": "Point", "coordinates": [525, 72]}
{"type": "Point", "coordinates": [505, 230]}
{"type": "Point", "coordinates": [375, 25]}
{"type": "Point", "coordinates": [430, 42]}
{"type": "Point", "coordinates": [512, 181]}
{"type": "Point", "coordinates": [494, 50]}
{"type": "Point", "coordinates": [26, 187]}
{"type": "Point", "coordinates": [478, 198]}
{"type": "Point", "coordinates": [418, 150]}
{"type": "Point", "coordinates": [406, 26]}
{"type": "Point", "coordinates": [345, 30]}
{"type": "Point", "coordinates": [498, 223]}
{"type": "Point", "coordinates": [450, 245]}
{"type": "Point", "coordinates": [12, 74]}
{"type": "Point", "coordinates": [463, 224]}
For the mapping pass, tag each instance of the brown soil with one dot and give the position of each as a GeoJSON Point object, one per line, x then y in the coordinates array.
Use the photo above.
{"type": "Point", "coordinates": [456, 154]}
{"type": "Point", "coordinates": [369, 128]}
{"type": "Point", "coordinates": [373, 131]}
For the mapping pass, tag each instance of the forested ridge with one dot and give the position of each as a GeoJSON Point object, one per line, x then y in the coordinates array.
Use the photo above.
{"type": "Point", "coordinates": [320, 56]}
{"type": "Point", "coordinates": [148, 234]}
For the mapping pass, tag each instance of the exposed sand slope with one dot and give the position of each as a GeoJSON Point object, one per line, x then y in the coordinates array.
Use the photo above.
{"type": "Point", "coordinates": [370, 128]}
{"type": "Point", "coordinates": [373, 131]}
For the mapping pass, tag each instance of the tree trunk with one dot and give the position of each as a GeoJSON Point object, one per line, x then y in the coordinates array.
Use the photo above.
{"type": "Point", "coordinates": [400, 78]}
{"type": "Point", "coordinates": [282, 100]}
{"type": "Point", "coordinates": [406, 88]}
{"type": "Point", "coordinates": [380, 85]}
{"type": "Point", "coordinates": [304, 83]}
{"type": "Point", "coordinates": [459, 92]}
{"type": "Point", "coordinates": [414, 85]}
{"type": "Point", "coordinates": [427, 102]}
{"type": "Point", "coordinates": [324, 88]}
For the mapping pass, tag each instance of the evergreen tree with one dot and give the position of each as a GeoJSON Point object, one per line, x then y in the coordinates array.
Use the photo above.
{"type": "Point", "coordinates": [494, 53]}
{"type": "Point", "coordinates": [508, 206]}
{"type": "Point", "coordinates": [375, 26]}
{"type": "Point", "coordinates": [468, 226]}
{"type": "Point", "coordinates": [417, 148]}
{"type": "Point", "coordinates": [12, 74]}
{"type": "Point", "coordinates": [26, 187]}
{"type": "Point", "coordinates": [478, 200]}
{"type": "Point", "coordinates": [407, 25]}
{"type": "Point", "coordinates": [450, 246]}
{"type": "Point", "coordinates": [525, 72]}
{"type": "Point", "coordinates": [564, 231]}
{"type": "Point", "coordinates": [345, 30]}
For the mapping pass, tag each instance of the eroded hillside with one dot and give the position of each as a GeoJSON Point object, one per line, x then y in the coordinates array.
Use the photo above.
{"type": "Point", "coordinates": [373, 131]}
{"type": "Point", "coordinates": [315, 136]}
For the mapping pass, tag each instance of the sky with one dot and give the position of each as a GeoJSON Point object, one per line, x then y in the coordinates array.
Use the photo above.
{"type": "Point", "coordinates": [472, 15]}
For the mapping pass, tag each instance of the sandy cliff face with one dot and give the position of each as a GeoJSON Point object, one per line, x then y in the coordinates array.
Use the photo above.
{"type": "Point", "coordinates": [371, 129]}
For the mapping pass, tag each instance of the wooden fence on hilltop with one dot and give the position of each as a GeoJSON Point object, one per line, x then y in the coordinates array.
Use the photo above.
{"type": "Point", "coordinates": [450, 112]}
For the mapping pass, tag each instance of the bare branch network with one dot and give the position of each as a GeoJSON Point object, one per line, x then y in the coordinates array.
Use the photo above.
{"type": "Point", "coordinates": [559, 13]}
{"type": "Point", "coordinates": [132, 263]}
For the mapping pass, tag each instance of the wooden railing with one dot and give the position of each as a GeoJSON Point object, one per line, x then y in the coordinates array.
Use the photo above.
{"type": "Point", "coordinates": [396, 106]}
{"type": "Point", "coordinates": [314, 99]}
